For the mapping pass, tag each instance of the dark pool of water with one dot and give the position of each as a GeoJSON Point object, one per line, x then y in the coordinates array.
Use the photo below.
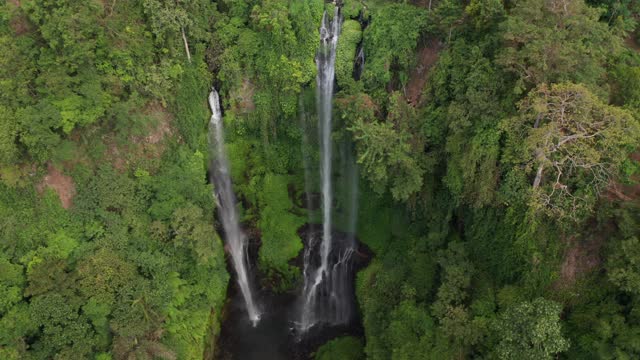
{"type": "Point", "coordinates": [275, 336]}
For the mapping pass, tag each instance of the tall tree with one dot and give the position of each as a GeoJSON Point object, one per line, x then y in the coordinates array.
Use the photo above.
{"type": "Point", "coordinates": [556, 40]}
{"type": "Point", "coordinates": [574, 144]}
{"type": "Point", "coordinates": [530, 331]}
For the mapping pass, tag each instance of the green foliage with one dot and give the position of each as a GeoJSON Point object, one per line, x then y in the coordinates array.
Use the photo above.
{"type": "Point", "coordinates": [383, 148]}
{"type": "Point", "coordinates": [530, 330]}
{"type": "Point", "coordinates": [445, 18]}
{"type": "Point", "coordinates": [347, 348]}
{"type": "Point", "coordinates": [601, 325]}
{"type": "Point", "coordinates": [384, 152]}
{"type": "Point", "coordinates": [264, 65]}
{"type": "Point", "coordinates": [11, 284]}
{"type": "Point", "coordinates": [192, 116]}
{"type": "Point", "coordinates": [468, 236]}
{"type": "Point", "coordinates": [278, 226]}
{"type": "Point", "coordinates": [575, 143]}
{"type": "Point", "coordinates": [471, 150]}
{"type": "Point", "coordinates": [392, 292]}
{"type": "Point", "coordinates": [350, 37]}
{"type": "Point", "coordinates": [351, 9]}
{"type": "Point", "coordinates": [390, 40]}
{"type": "Point", "coordinates": [485, 13]}
{"type": "Point", "coordinates": [136, 256]}
{"type": "Point", "coordinates": [466, 87]}
{"type": "Point", "coordinates": [549, 42]}
{"type": "Point", "coordinates": [8, 148]}
{"type": "Point", "coordinates": [626, 77]}
{"type": "Point", "coordinates": [624, 267]}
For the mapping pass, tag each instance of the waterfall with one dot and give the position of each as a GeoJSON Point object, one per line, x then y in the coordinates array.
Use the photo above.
{"type": "Point", "coordinates": [327, 293]}
{"type": "Point", "coordinates": [235, 237]}
{"type": "Point", "coordinates": [326, 59]}
{"type": "Point", "coordinates": [358, 65]}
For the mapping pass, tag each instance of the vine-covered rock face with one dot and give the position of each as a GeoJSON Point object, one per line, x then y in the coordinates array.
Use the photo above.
{"type": "Point", "coordinates": [495, 179]}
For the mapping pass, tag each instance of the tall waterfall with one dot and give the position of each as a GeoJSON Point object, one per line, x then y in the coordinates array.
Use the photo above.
{"type": "Point", "coordinates": [327, 293]}
{"type": "Point", "coordinates": [235, 237]}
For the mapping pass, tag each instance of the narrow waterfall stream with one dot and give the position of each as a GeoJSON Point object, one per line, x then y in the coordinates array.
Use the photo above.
{"type": "Point", "coordinates": [326, 296]}
{"type": "Point", "coordinates": [235, 237]}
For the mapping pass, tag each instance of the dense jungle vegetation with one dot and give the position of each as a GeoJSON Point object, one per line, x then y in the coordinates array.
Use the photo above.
{"type": "Point", "coordinates": [497, 144]}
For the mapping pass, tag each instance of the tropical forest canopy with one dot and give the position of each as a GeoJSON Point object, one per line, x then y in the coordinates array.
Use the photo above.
{"type": "Point", "coordinates": [497, 148]}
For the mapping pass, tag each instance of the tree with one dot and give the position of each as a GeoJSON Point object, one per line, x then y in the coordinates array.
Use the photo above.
{"type": "Point", "coordinates": [485, 13]}
{"type": "Point", "coordinates": [390, 40]}
{"type": "Point", "coordinates": [530, 331]}
{"type": "Point", "coordinates": [350, 37]}
{"type": "Point", "coordinates": [463, 92]}
{"type": "Point", "coordinates": [167, 19]}
{"type": "Point", "coordinates": [146, 348]}
{"type": "Point", "coordinates": [103, 275]}
{"type": "Point", "coordinates": [624, 265]}
{"type": "Point", "coordinates": [410, 331]}
{"type": "Point", "coordinates": [445, 17]}
{"type": "Point", "coordinates": [191, 230]}
{"type": "Point", "coordinates": [384, 149]}
{"type": "Point", "coordinates": [11, 284]}
{"type": "Point", "coordinates": [575, 143]}
{"type": "Point", "coordinates": [64, 329]}
{"type": "Point", "coordinates": [449, 308]}
{"type": "Point", "coordinates": [626, 78]}
{"type": "Point", "coordinates": [554, 41]}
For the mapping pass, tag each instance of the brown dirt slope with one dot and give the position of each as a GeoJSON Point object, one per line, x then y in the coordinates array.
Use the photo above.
{"type": "Point", "coordinates": [617, 191]}
{"type": "Point", "coordinates": [426, 58]}
{"type": "Point", "coordinates": [580, 257]}
{"type": "Point", "coordinates": [150, 145]}
{"type": "Point", "coordinates": [632, 43]}
{"type": "Point", "coordinates": [62, 184]}
{"type": "Point", "coordinates": [585, 255]}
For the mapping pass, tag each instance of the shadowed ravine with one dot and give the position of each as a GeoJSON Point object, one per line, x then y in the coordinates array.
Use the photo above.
{"type": "Point", "coordinates": [275, 337]}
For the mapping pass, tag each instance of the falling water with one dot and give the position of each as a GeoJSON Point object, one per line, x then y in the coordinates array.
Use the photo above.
{"type": "Point", "coordinates": [358, 65]}
{"type": "Point", "coordinates": [326, 60]}
{"type": "Point", "coordinates": [235, 238]}
{"type": "Point", "coordinates": [324, 296]}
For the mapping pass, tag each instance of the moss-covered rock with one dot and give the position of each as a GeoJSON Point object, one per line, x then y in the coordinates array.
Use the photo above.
{"type": "Point", "coordinates": [279, 226]}
{"type": "Point", "coordinates": [351, 9]}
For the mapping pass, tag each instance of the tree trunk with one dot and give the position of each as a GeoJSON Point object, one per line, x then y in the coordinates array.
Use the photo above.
{"type": "Point", "coordinates": [538, 118]}
{"type": "Point", "coordinates": [538, 178]}
{"type": "Point", "coordinates": [186, 44]}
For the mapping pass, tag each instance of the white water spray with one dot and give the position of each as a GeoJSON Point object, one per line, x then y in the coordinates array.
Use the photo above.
{"type": "Point", "coordinates": [235, 237]}
{"type": "Point", "coordinates": [325, 280]}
